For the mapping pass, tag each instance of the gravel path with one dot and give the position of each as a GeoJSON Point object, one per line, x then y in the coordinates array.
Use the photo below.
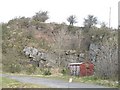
{"type": "Point", "coordinates": [51, 83]}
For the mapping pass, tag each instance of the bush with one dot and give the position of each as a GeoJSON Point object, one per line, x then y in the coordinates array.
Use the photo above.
{"type": "Point", "coordinates": [72, 29]}
{"type": "Point", "coordinates": [13, 68]}
{"type": "Point", "coordinates": [30, 69]}
{"type": "Point", "coordinates": [64, 71]}
{"type": "Point", "coordinates": [46, 72]}
{"type": "Point", "coordinates": [41, 16]}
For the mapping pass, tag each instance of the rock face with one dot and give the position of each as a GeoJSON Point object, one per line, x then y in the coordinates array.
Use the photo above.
{"type": "Point", "coordinates": [35, 55]}
{"type": "Point", "coordinates": [30, 51]}
{"type": "Point", "coordinates": [52, 58]}
{"type": "Point", "coordinates": [94, 49]}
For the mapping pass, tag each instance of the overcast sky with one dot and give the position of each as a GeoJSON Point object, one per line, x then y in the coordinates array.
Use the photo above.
{"type": "Point", "coordinates": [59, 10]}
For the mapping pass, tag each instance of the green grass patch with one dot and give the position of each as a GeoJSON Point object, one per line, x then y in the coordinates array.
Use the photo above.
{"type": "Point", "coordinates": [11, 83]}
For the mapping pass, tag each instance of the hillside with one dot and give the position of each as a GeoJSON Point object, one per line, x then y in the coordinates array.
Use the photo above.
{"type": "Point", "coordinates": [29, 46]}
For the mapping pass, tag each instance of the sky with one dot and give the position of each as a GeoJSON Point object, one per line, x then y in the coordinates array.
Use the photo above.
{"type": "Point", "coordinates": [60, 10]}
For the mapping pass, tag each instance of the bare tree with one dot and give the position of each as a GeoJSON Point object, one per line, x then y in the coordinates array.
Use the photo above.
{"type": "Point", "coordinates": [58, 44]}
{"type": "Point", "coordinates": [104, 54]}
{"type": "Point", "coordinates": [72, 19]}
{"type": "Point", "coordinates": [107, 60]}
{"type": "Point", "coordinates": [103, 25]}
{"type": "Point", "coordinates": [90, 21]}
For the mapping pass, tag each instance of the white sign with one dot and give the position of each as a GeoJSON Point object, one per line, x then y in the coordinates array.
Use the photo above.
{"type": "Point", "coordinates": [70, 80]}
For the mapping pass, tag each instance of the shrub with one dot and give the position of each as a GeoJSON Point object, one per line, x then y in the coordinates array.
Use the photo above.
{"type": "Point", "coordinates": [46, 72]}
{"type": "Point", "coordinates": [30, 69]}
{"type": "Point", "coordinates": [41, 16]}
{"type": "Point", "coordinates": [13, 68]}
{"type": "Point", "coordinates": [64, 71]}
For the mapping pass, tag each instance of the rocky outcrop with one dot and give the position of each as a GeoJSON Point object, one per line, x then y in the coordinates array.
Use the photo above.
{"type": "Point", "coordinates": [52, 58]}
{"type": "Point", "coordinates": [35, 55]}
{"type": "Point", "coordinates": [93, 51]}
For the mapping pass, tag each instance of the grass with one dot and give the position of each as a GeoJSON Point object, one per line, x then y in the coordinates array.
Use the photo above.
{"type": "Point", "coordinates": [10, 83]}
{"type": "Point", "coordinates": [87, 79]}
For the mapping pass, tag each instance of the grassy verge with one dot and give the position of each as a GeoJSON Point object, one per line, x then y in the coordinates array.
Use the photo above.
{"type": "Point", "coordinates": [10, 83]}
